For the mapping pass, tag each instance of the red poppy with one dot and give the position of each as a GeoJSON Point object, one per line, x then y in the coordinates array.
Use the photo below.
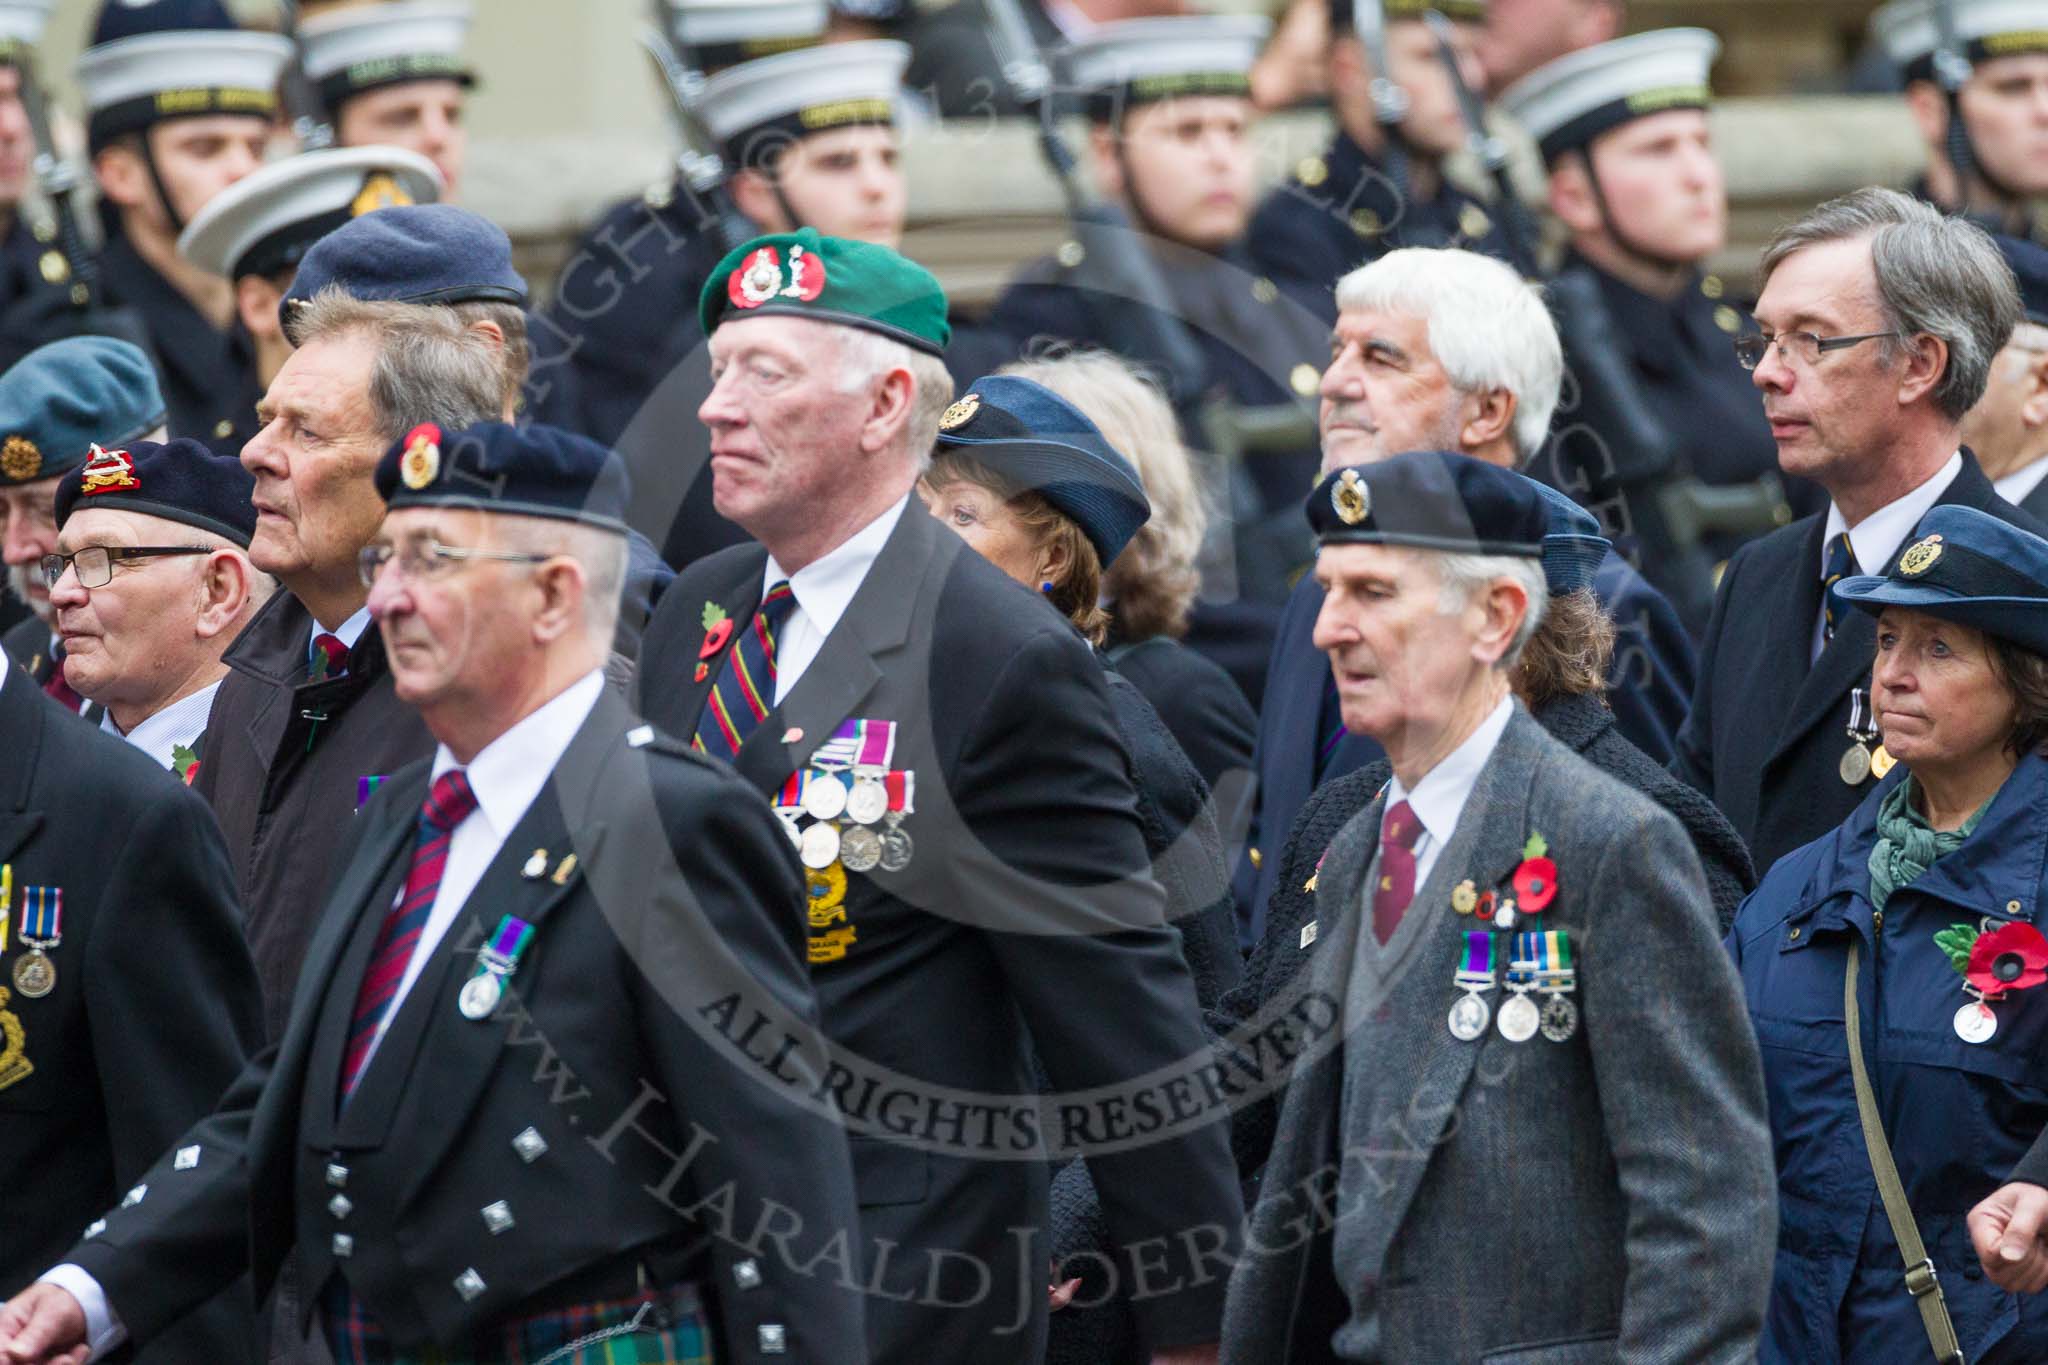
{"type": "Point", "coordinates": [715, 638]}
{"type": "Point", "coordinates": [192, 773]}
{"type": "Point", "coordinates": [703, 672]}
{"type": "Point", "coordinates": [2013, 957]}
{"type": "Point", "coordinates": [1536, 884]}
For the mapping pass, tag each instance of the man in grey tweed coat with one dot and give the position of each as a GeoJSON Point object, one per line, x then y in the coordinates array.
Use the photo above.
{"type": "Point", "coordinates": [1572, 1165]}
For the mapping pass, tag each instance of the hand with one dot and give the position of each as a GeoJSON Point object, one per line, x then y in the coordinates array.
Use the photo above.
{"type": "Point", "coordinates": [1061, 1293]}
{"type": "Point", "coordinates": [1188, 1355]}
{"type": "Point", "coordinates": [2006, 1230]}
{"type": "Point", "coordinates": [43, 1325]}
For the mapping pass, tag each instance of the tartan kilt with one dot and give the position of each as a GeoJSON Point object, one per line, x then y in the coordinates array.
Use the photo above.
{"type": "Point", "coordinates": [579, 1334]}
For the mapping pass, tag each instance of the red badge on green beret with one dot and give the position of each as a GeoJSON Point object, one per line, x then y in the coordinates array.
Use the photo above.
{"type": "Point", "coordinates": [762, 277]}
{"type": "Point", "coordinates": [831, 279]}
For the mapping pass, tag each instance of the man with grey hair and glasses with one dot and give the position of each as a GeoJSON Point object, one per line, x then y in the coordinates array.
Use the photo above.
{"type": "Point", "coordinates": [1879, 321]}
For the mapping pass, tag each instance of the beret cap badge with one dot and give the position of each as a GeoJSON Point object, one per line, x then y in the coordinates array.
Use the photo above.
{"type": "Point", "coordinates": [961, 413]}
{"type": "Point", "coordinates": [1920, 556]}
{"type": "Point", "coordinates": [1351, 498]}
{"type": "Point", "coordinates": [380, 190]}
{"type": "Point", "coordinates": [422, 459]}
{"type": "Point", "coordinates": [108, 471]}
{"type": "Point", "coordinates": [760, 277]}
{"type": "Point", "coordinates": [20, 460]}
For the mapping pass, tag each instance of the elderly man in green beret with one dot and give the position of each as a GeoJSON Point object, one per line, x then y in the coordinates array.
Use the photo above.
{"type": "Point", "coordinates": [941, 746]}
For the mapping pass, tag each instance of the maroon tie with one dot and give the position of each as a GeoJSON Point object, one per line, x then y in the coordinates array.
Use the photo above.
{"type": "Point", "coordinates": [450, 801]}
{"type": "Point", "coordinates": [1397, 870]}
{"type": "Point", "coordinates": [57, 687]}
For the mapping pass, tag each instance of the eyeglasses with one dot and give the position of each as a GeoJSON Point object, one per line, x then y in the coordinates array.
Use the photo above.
{"type": "Point", "coordinates": [1806, 347]}
{"type": "Point", "coordinates": [95, 563]}
{"type": "Point", "coordinates": [430, 559]}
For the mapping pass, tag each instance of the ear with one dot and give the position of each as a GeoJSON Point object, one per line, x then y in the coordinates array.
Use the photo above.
{"type": "Point", "coordinates": [224, 584]}
{"type": "Point", "coordinates": [490, 331]}
{"type": "Point", "coordinates": [1926, 363]}
{"type": "Point", "coordinates": [1571, 194]}
{"type": "Point", "coordinates": [256, 301]}
{"type": "Point", "coordinates": [560, 585]}
{"type": "Point", "coordinates": [755, 197]}
{"type": "Point", "coordinates": [2034, 405]}
{"type": "Point", "coordinates": [1052, 561]}
{"type": "Point", "coordinates": [889, 407]}
{"type": "Point", "coordinates": [1929, 108]}
{"type": "Point", "coordinates": [1501, 610]}
{"type": "Point", "coordinates": [123, 179]}
{"type": "Point", "coordinates": [1487, 419]}
{"type": "Point", "coordinates": [1102, 155]}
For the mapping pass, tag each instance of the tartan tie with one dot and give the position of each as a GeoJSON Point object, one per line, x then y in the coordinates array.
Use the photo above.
{"type": "Point", "coordinates": [744, 691]}
{"type": "Point", "coordinates": [1841, 563]}
{"type": "Point", "coordinates": [447, 805]}
{"type": "Point", "coordinates": [1397, 870]}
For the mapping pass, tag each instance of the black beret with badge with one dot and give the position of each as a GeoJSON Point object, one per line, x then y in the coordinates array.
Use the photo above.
{"type": "Point", "coordinates": [57, 400]}
{"type": "Point", "coordinates": [528, 471]}
{"type": "Point", "coordinates": [183, 481]}
{"type": "Point", "coordinates": [267, 221]}
{"type": "Point", "coordinates": [350, 51]}
{"type": "Point", "coordinates": [1432, 500]}
{"type": "Point", "coordinates": [175, 59]}
{"type": "Point", "coordinates": [1567, 103]}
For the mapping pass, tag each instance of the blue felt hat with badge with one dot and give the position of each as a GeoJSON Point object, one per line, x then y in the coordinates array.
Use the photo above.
{"type": "Point", "coordinates": [60, 398]}
{"type": "Point", "coordinates": [529, 471]}
{"type": "Point", "coordinates": [1574, 549]}
{"type": "Point", "coordinates": [410, 253]}
{"type": "Point", "coordinates": [1432, 500]}
{"type": "Point", "coordinates": [182, 481]}
{"type": "Point", "coordinates": [1028, 434]}
{"type": "Point", "coordinates": [1966, 566]}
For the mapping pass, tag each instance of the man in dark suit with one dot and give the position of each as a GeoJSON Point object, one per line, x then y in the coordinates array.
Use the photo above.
{"type": "Point", "coordinates": [980, 892]}
{"type": "Point", "coordinates": [1864, 385]}
{"type": "Point", "coordinates": [508, 1114]}
{"type": "Point", "coordinates": [127, 999]}
{"type": "Point", "coordinates": [1387, 390]}
{"type": "Point", "coordinates": [1434, 1146]}
{"type": "Point", "coordinates": [2008, 428]}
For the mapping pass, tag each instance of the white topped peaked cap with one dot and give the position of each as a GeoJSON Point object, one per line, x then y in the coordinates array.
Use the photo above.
{"type": "Point", "coordinates": [358, 49]}
{"type": "Point", "coordinates": [1161, 57]}
{"type": "Point", "coordinates": [265, 221]}
{"type": "Point", "coordinates": [807, 91]}
{"type": "Point", "coordinates": [23, 21]}
{"type": "Point", "coordinates": [721, 22]}
{"type": "Point", "coordinates": [181, 59]}
{"type": "Point", "coordinates": [1567, 103]}
{"type": "Point", "coordinates": [1987, 28]}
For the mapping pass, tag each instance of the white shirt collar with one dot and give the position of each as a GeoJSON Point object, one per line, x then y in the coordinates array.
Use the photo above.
{"type": "Point", "coordinates": [348, 632]}
{"type": "Point", "coordinates": [508, 773]}
{"type": "Point", "coordinates": [157, 735]}
{"type": "Point", "coordinates": [824, 588]}
{"type": "Point", "coordinates": [1439, 798]}
{"type": "Point", "coordinates": [1878, 536]}
{"type": "Point", "coordinates": [2015, 486]}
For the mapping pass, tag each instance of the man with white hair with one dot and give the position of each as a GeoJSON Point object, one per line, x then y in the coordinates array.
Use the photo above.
{"type": "Point", "coordinates": [151, 582]}
{"type": "Point", "coordinates": [941, 743]}
{"type": "Point", "coordinates": [1436, 349]}
{"type": "Point", "coordinates": [1500, 887]}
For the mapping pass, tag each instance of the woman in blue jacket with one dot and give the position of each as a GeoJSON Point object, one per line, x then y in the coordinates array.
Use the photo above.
{"type": "Point", "coordinates": [1933, 893]}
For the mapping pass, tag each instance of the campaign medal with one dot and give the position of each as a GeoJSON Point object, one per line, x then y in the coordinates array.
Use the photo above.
{"type": "Point", "coordinates": [868, 801]}
{"type": "Point", "coordinates": [896, 845]}
{"type": "Point", "coordinates": [1858, 763]}
{"type": "Point", "coordinates": [824, 796]}
{"type": "Point", "coordinates": [1556, 979]}
{"type": "Point", "coordinates": [789, 806]}
{"type": "Point", "coordinates": [1519, 1017]}
{"type": "Point", "coordinates": [1471, 1015]}
{"type": "Point", "coordinates": [824, 789]}
{"type": "Point", "coordinates": [495, 961]}
{"type": "Point", "coordinates": [819, 846]}
{"type": "Point", "coordinates": [1993, 963]}
{"type": "Point", "coordinates": [860, 848]}
{"type": "Point", "coordinates": [42, 928]}
{"type": "Point", "coordinates": [1855, 765]}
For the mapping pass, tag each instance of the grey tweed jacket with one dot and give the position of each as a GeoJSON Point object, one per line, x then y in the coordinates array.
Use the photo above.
{"type": "Point", "coordinates": [1608, 1198]}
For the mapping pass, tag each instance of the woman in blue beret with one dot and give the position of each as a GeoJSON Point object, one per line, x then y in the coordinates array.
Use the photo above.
{"type": "Point", "coordinates": [1920, 919]}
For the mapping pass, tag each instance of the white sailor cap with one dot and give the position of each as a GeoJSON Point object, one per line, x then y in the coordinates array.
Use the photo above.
{"type": "Point", "coordinates": [1567, 103]}
{"type": "Point", "coordinates": [21, 25]}
{"type": "Point", "coordinates": [369, 46]}
{"type": "Point", "coordinates": [1135, 61]}
{"type": "Point", "coordinates": [759, 107]}
{"type": "Point", "coordinates": [266, 221]}
{"type": "Point", "coordinates": [132, 83]}
{"type": "Point", "coordinates": [723, 33]}
{"type": "Point", "coordinates": [1907, 31]}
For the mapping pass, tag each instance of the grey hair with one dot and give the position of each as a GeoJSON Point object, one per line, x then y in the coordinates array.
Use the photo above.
{"type": "Point", "coordinates": [1937, 275]}
{"type": "Point", "coordinates": [431, 366]}
{"type": "Point", "coordinates": [866, 356]}
{"type": "Point", "coordinates": [602, 553]}
{"type": "Point", "coordinates": [1487, 325]}
{"type": "Point", "coordinates": [1462, 576]}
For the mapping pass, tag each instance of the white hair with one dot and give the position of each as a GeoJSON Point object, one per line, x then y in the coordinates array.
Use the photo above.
{"type": "Point", "coordinates": [1488, 327]}
{"type": "Point", "coordinates": [603, 554]}
{"type": "Point", "coordinates": [1462, 577]}
{"type": "Point", "coordinates": [865, 356]}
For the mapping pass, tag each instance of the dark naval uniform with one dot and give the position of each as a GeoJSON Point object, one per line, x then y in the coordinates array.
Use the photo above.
{"type": "Point", "coordinates": [33, 308]}
{"type": "Point", "coordinates": [1339, 210]}
{"type": "Point", "coordinates": [208, 376]}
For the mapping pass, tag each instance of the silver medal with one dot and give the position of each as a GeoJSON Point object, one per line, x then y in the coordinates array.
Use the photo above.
{"type": "Point", "coordinates": [824, 796]}
{"type": "Point", "coordinates": [1469, 1018]}
{"type": "Point", "coordinates": [1975, 1022]}
{"type": "Point", "coordinates": [1519, 1019]}
{"type": "Point", "coordinates": [480, 995]}
{"type": "Point", "coordinates": [896, 849]}
{"type": "Point", "coordinates": [790, 826]}
{"type": "Point", "coordinates": [1560, 1019]}
{"type": "Point", "coordinates": [1855, 765]}
{"type": "Point", "coordinates": [860, 848]}
{"type": "Point", "coordinates": [867, 802]}
{"type": "Point", "coordinates": [820, 847]}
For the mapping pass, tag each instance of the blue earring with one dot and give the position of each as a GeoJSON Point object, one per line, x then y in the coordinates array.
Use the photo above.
{"type": "Point", "coordinates": [1046, 587]}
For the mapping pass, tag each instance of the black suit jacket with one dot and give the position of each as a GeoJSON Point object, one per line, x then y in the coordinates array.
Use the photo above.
{"type": "Point", "coordinates": [664, 1139]}
{"type": "Point", "coordinates": [1026, 922]}
{"type": "Point", "coordinates": [2035, 504]}
{"type": "Point", "coordinates": [155, 1007]}
{"type": "Point", "coordinates": [1767, 731]}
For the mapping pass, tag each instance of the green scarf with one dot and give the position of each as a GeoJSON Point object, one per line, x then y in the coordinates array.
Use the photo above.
{"type": "Point", "coordinates": [1907, 845]}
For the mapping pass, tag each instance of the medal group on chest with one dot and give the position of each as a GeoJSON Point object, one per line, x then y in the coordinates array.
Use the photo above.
{"type": "Point", "coordinates": [844, 812]}
{"type": "Point", "coordinates": [39, 932]}
{"type": "Point", "coordinates": [1540, 975]}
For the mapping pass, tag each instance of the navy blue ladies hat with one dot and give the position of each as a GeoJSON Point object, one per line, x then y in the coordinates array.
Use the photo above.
{"type": "Point", "coordinates": [1432, 500]}
{"type": "Point", "coordinates": [1041, 442]}
{"type": "Point", "coordinates": [1574, 549]}
{"type": "Point", "coordinates": [1966, 566]}
{"type": "Point", "coordinates": [410, 253]}
{"type": "Point", "coordinates": [2029, 262]}
{"type": "Point", "coordinates": [529, 471]}
{"type": "Point", "coordinates": [183, 481]}
{"type": "Point", "coordinates": [60, 398]}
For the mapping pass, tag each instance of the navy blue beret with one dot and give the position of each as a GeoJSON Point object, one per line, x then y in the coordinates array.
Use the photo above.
{"type": "Point", "coordinates": [1966, 566]}
{"type": "Point", "coordinates": [182, 481]}
{"type": "Point", "coordinates": [1041, 442]}
{"type": "Point", "coordinates": [1574, 549]}
{"type": "Point", "coordinates": [529, 471]}
{"type": "Point", "coordinates": [411, 253]}
{"type": "Point", "coordinates": [2029, 262]}
{"type": "Point", "coordinates": [1433, 500]}
{"type": "Point", "coordinates": [128, 18]}
{"type": "Point", "coordinates": [60, 398]}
